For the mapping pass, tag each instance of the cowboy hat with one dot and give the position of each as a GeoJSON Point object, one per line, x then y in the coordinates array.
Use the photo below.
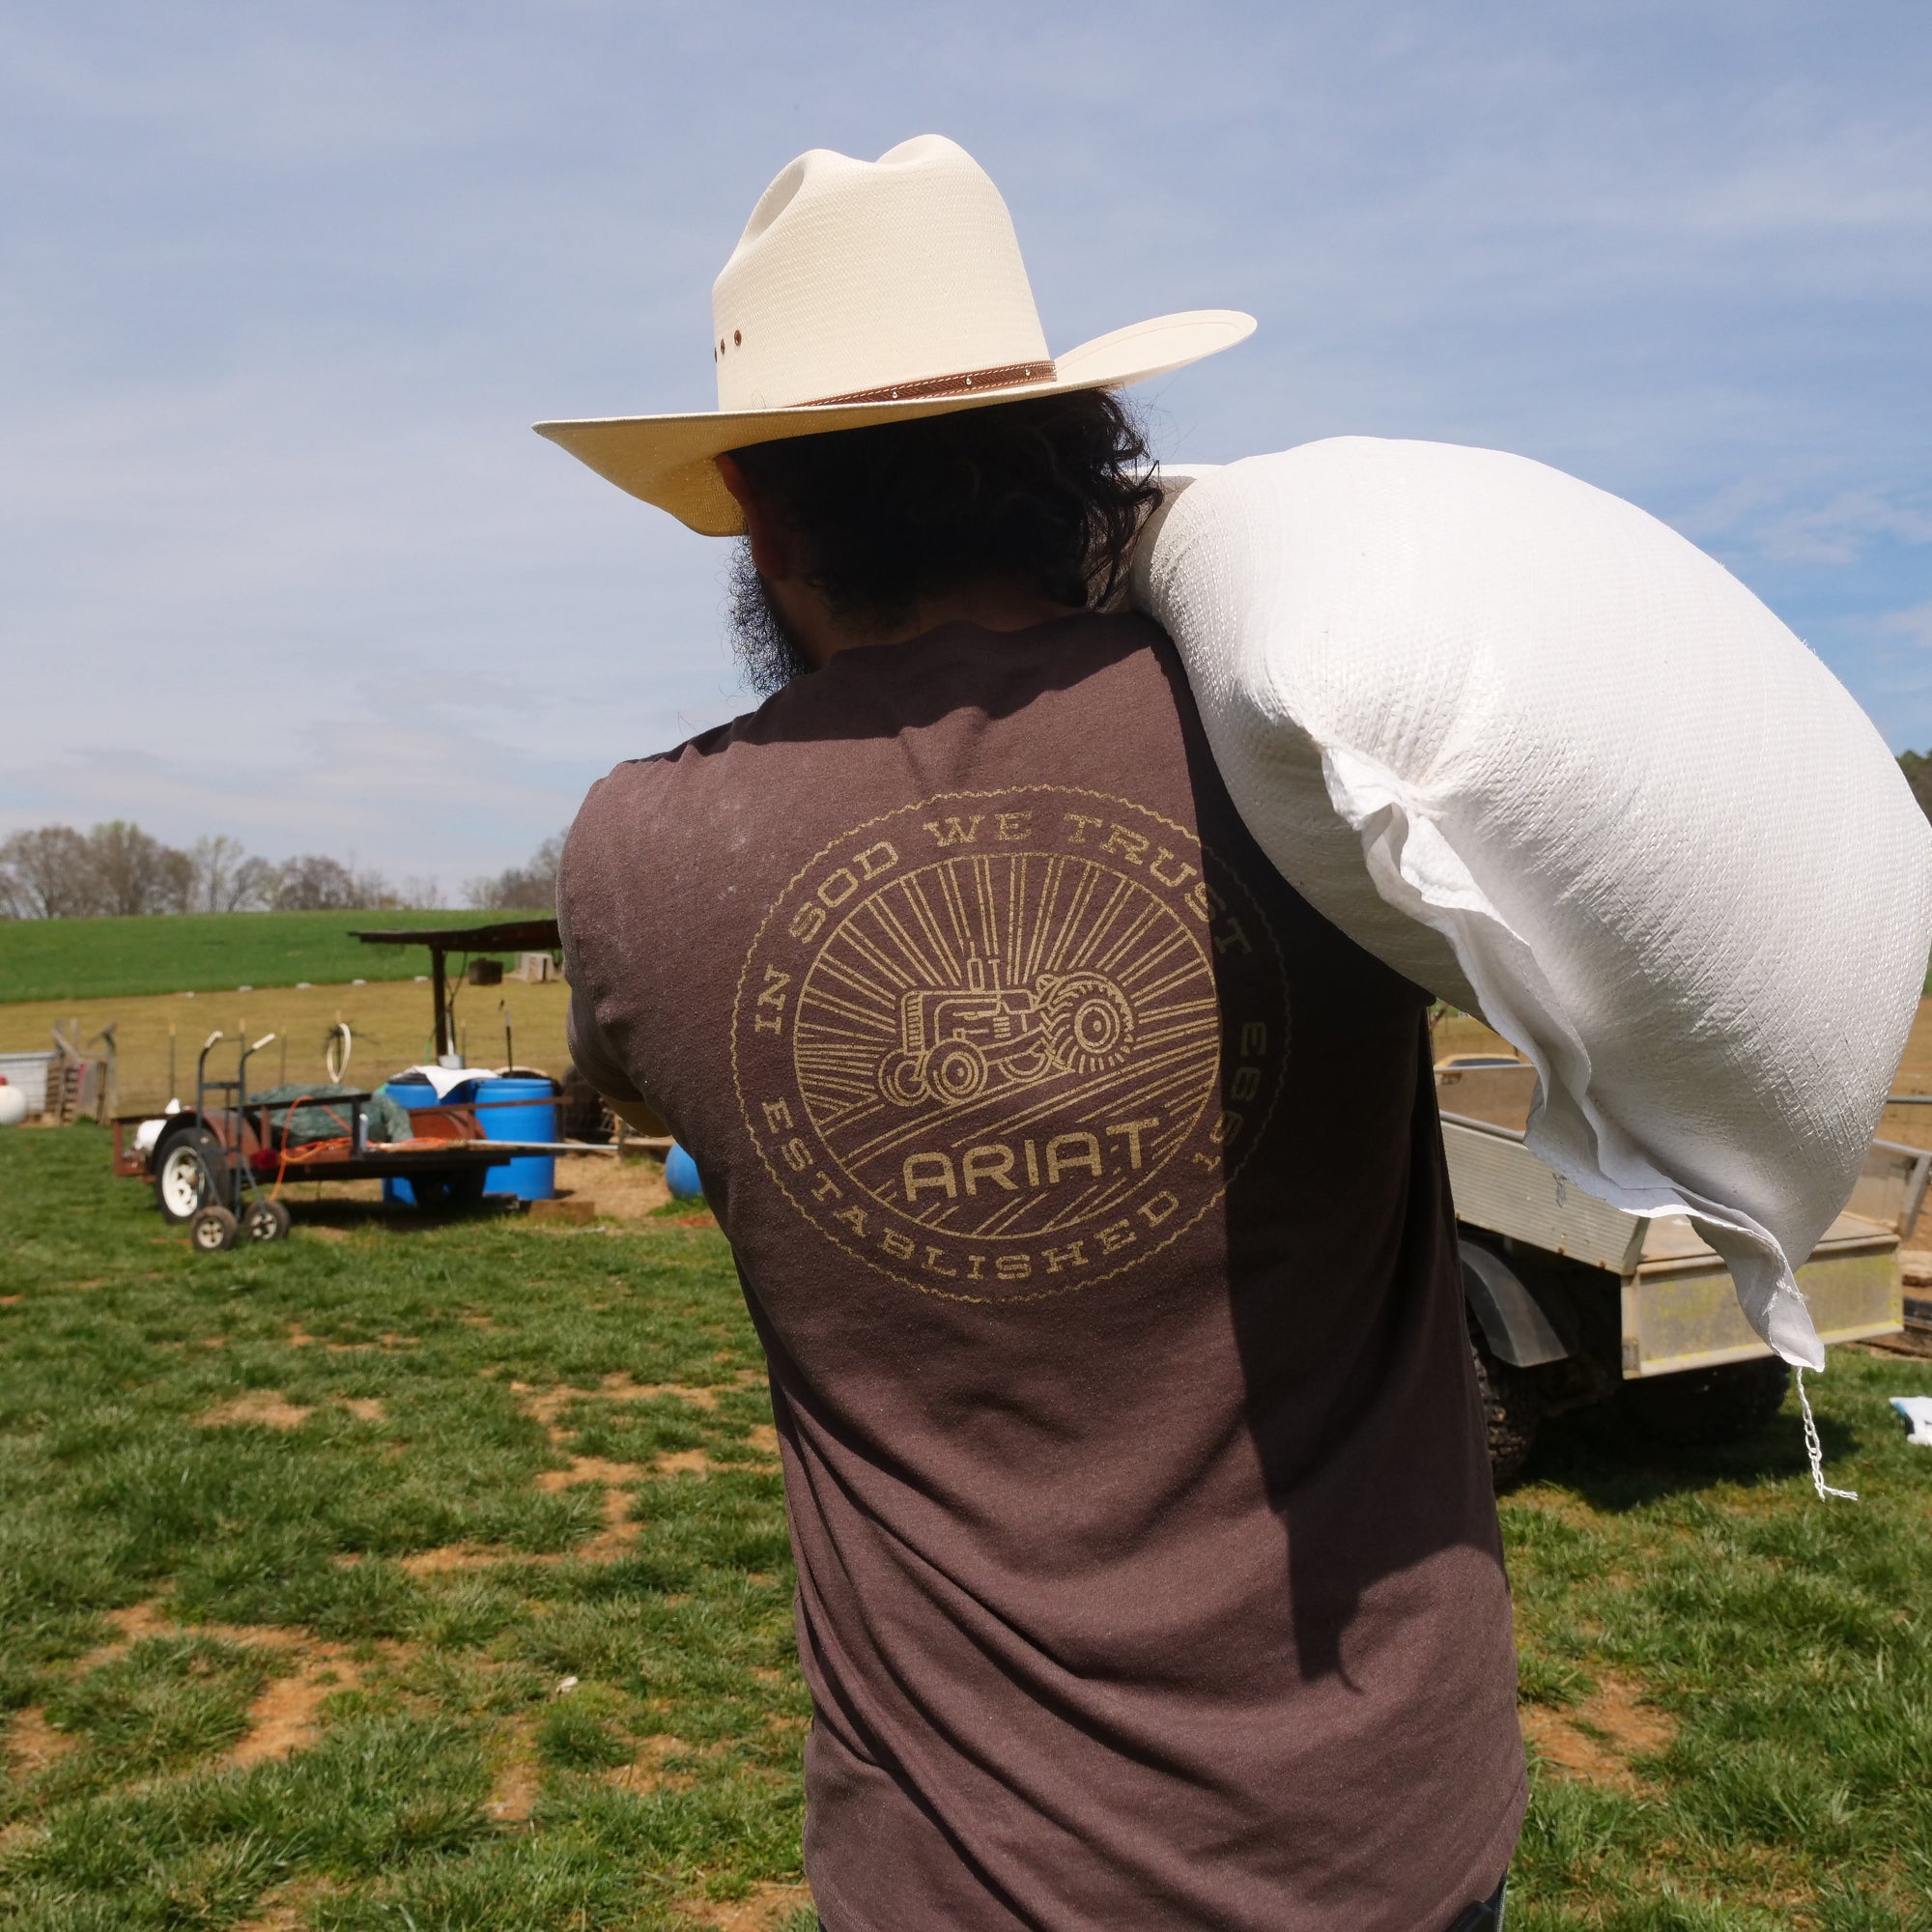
{"type": "Point", "coordinates": [864, 293]}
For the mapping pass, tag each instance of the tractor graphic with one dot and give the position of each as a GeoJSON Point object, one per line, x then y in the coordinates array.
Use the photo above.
{"type": "Point", "coordinates": [959, 1042]}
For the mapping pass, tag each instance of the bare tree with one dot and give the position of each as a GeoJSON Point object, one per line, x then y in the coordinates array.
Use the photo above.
{"type": "Point", "coordinates": [48, 873]}
{"type": "Point", "coordinates": [135, 873]}
{"type": "Point", "coordinates": [56, 872]}
{"type": "Point", "coordinates": [314, 883]}
{"type": "Point", "coordinates": [528, 888]}
{"type": "Point", "coordinates": [226, 879]}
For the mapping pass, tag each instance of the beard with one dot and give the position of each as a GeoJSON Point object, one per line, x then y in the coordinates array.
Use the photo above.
{"type": "Point", "coordinates": [767, 654]}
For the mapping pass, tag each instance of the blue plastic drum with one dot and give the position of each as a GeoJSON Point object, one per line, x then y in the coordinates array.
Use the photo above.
{"type": "Point", "coordinates": [513, 1109]}
{"type": "Point", "coordinates": [518, 1109]}
{"type": "Point", "coordinates": [413, 1094]}
{"type": "Point", "coordinates": [681, 1176]}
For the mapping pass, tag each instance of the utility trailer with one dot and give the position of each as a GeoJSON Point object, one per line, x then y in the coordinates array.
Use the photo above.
{"type": "Point", "coordinates": [1573, 1302]}
{"type": "Point", "coordinates": [218, 1165]}
{"type": "Point", "coordinates": [210, 1163]}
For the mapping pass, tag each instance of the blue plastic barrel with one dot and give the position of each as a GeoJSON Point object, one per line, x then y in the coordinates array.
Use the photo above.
{"type": "Point", "coordinates": [414, 1094]}
{"type": "Point", "coordinates": [530, 1177]}
{"type": "Point", "coordinates": [681, 1176]}
{"type": "Point", "coordinates": [529, 1116]}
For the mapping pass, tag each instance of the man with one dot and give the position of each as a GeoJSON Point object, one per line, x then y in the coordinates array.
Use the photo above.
{"type": "Point", "coordinates": [1085, 1186]}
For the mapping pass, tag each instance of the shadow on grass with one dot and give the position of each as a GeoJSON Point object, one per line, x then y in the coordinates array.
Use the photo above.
{"type": "Point", "coordinates": [350, 1216]}
{"type": "Point", "coordinates": [1609, 1464]}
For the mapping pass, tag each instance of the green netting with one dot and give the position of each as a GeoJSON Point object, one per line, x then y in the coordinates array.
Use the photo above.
{"type": "Point", "coordinates": [300, 1115]}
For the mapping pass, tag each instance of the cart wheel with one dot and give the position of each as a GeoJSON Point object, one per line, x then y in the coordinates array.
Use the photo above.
{"type": "Point", "coordinates": [265, 1221]}
{"type": "Point", "coordinates": [1512, 1411]}
{"type": "Point", "coordinates": [184, 1170]}
{"type": "Point", "coordinates": [211, 1230]}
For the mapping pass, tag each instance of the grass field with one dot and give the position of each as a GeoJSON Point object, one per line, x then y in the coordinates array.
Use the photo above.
{"type": "Point", "coordinates": [418, 1576]}
{"type": "Point", "coordinates": [390, 1023]}
{"type": "Point", "coordinates": [1911, 1126]}
{"type": "Point", "coordinates": [85, 958]}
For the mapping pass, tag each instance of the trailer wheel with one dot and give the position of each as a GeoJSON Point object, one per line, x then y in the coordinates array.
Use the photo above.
{"type": "Point", "coordinates": [1512, 1411]}
{"type": "Point", "coordinates": [185, 1167]}
{"type": "Point", "coordinates": [211, 1230]}
{"type": "Point", "coordinates": [1705, 1408]}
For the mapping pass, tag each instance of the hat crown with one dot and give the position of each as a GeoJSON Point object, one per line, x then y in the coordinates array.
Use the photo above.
{"type": "Point", "coordinates": [855, 276]}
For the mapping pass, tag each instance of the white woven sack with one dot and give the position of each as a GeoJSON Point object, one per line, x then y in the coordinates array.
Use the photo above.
{"type": "Point", "coordinates": [1537, 751]}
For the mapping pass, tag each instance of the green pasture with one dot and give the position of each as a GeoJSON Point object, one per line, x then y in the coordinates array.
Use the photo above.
{"type": "Point", "coordinates": [208, 952]}
{"type": "Point", "coordinates": [302, 1547]}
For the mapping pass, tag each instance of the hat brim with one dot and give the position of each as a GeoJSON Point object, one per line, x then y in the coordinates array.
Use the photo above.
{"type": "Point", "coordinates": [671, 461]}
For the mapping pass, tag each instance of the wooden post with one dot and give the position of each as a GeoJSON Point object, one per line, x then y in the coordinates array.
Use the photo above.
{"type": "Point", "coordinates": [439, 993]}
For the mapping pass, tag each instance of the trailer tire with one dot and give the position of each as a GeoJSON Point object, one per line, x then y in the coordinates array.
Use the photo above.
{"type": "Point", "coordinates": [1512, 1411]}
{"type": "Point", "coordinates": [185, 1167]}
{"type": "Point", "coordinates": [1704, 1409]}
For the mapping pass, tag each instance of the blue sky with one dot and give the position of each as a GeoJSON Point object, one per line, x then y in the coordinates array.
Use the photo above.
{"type": "Point", "coordinates": [284, 287]}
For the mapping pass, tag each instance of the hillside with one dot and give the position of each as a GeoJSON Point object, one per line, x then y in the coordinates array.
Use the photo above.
{"type": "Point", "coordinates": [78, 958]}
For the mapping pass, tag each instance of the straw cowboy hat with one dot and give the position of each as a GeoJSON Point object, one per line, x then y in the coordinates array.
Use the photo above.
{"type": "Point", "coordinates": [862, 293]}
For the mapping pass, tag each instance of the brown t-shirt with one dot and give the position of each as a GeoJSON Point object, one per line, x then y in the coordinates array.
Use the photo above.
{"type": "Point", "coordinates": [1088, 1197]}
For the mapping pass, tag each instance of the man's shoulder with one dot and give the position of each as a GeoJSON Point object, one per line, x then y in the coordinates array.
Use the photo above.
{"type": "Point", "coordinates": [684, 798]}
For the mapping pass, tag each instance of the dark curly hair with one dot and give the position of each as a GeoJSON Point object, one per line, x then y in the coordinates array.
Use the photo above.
{"type": "Point", "coordinates": [1049, 491]}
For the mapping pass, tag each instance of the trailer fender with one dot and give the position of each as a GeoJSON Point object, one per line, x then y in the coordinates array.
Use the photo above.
{"type": "Point", "coordinates": [1513, 1324]}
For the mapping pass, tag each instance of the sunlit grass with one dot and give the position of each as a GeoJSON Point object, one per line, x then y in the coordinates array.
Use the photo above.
{"type": "Point", "coordinates": [390, 1486]}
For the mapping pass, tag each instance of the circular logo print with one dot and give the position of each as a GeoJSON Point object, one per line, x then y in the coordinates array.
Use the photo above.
{"type": "Point", "coordinates": [1002, 1045]}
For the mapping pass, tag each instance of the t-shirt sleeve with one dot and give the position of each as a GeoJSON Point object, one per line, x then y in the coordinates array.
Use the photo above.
{"type": "Point", "coordinates": [582, 896]}
{"type": "Point", "coordinates": [590, 1053]}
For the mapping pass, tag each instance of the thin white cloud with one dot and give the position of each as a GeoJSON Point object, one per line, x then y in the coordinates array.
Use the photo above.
{"type": "Point", "coordinates": [1914, 625]}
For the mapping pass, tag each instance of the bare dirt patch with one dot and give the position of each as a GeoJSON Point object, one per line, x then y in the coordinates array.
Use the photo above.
{"type": "Point", "coordinates": [578, 1211]}
{"type": "Point", "coordinates": [263, 1408]}
{"type": "Point", "coordinates": [767, 1905]}
{"type": "Point", "coordinates": [298, 1337]}
{"type": "Point", "coordinates": [645, 1769]}
{"type": "Point", "coordinates": [33, 1743]}
{"type": "Point", "coordinates": [286, 1717]}
{"type": "Point", "coordinates": [590, 1469]}
{"type": "Point", "coordinates": [545, 1404]}
{"type": "Point", "coordinates": [624, 1190]}
{"type": "Point", "coordinates": [285, 1909]}
{"type": "Point", "coordinates": [364, 1407]}
{"type": "Point", "coordinates": [683, 1462]}
{"type": "Point", "coordinates": [513, 1797]}
{"type": "Point", "coordinates": [451, 1558]}
{"type": "Point", "coordinates": [1594, 1740]}
{"type": "Point", "coordinates": [620, 1532]}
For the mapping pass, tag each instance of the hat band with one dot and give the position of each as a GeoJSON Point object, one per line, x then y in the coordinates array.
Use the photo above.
{"type": "Point", "coordinates": [1008, 376]}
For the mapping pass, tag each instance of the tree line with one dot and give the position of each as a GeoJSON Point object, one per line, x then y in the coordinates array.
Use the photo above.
{"type": "Point", "coordinates": [55, 871]}
{"type": "Point", "coordinates": [1918, 769]}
